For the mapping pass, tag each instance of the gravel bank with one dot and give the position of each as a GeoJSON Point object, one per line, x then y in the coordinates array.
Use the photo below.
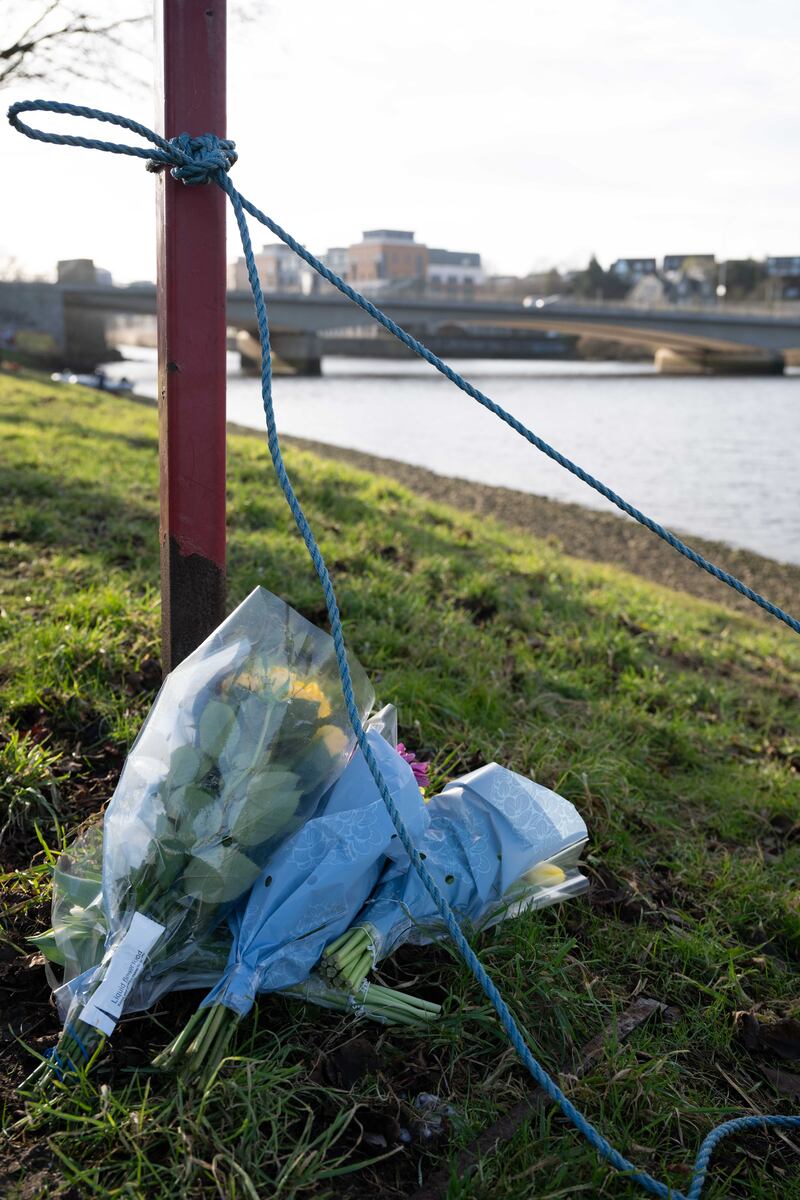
{"type": "Point", "coordinates": [601, 537]}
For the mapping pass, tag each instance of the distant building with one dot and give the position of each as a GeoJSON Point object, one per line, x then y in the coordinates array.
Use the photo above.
{"type": "Point", "coordinates": [689, 277]}
{"type": "Point", "coordinates": [237, 276]}
{"type": "Point", "coordinates": [649, 291]}
{"type": "Point", "coordinates": [454, 269]}
{"type": "Point", "coordinates": [337, 259]}
{"type": "Point", "coordinates": [784, 272]}
{"type": "Point", "coordinates": [82, 271]}
{"type": "Point", "coordinates": [385, 256]}
{"type": "Point", "coordinates": [630, 270]}
{"type": "Point", "coordinates": [278, 270]}
{"type": "Point", "coordinates": [784, 267]}
{"type": "Point", "coordinates": [678, 262]}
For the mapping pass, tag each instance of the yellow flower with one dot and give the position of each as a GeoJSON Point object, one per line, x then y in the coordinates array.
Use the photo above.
{"type": "Point", "coordinates": [543, 875]}
{"type": "Point", "coordinates": [312, 691]}
{"type": "Point", "coordinates": [247, 679]}
{"type": "Point", "coordinates": [335, 739]}
{"type": "Point", "coordinates": [301, 689]}
{"type": "Point", "coordinates": [280, 677]}
{"type": "Point", "coordinates": [248, 674]}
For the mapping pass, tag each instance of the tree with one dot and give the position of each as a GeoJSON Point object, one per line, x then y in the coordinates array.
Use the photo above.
{"type": "Point", "coordinates": [594, 283]}
{"type": "Point", "coordinates": [553, 283]}
{"type": "Point", "coordinates": [62, 41]}
{"type": "Point", "coordinates": [745, 278]}
{"type": "Point", "coordinates": [98, 40]}
{"type": "Point", "coordinates": [12, 270]}
{"type": "Point", "coordinates": [591, 282]}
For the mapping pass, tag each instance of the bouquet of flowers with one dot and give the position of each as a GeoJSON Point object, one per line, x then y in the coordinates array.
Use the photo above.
{"type": "Point", "coordinates": [243, 798]}
{"type": "Point", "coordinates": [308, 893]}
{"type": "Point", "coordinates": [497, 844]}
{"type": "Point", "coordinates": [244, 739]}
{"type": "Point", "coordinates": [310, 889]}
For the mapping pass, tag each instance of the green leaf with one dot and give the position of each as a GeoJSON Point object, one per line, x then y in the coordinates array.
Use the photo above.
{"type": "Point", "coordinates": [260, 718]}
{"type": "Point", "coordinates": [47, 945]}
{"type": "Point", "coordinates": [77, 889]}
{"type": "Point", "coordinates": [267, 779]}
{"type": "Point", "coordinates": [169, 854]}
{"type": "Point", "coordinates": [214, 726]}
{"type": "Point", "coordinates": [198, 815]}
{"type": "Point", "coordinates": [192, 799]}
{"type": "Point", "coordinates": [186, 765]}
{"type": "Point", "coordinates": [269, 803]}
{"type": "Point", "coordinates": [218, 874]}
{"type": "Point", "coordinates": [234, 738]}
{"type": "Point", "coordinates": [204, 826]}
{"type": "Point", "coordinates": [185, 801]}
{"type": "Point", "coordinates": [255, 825]}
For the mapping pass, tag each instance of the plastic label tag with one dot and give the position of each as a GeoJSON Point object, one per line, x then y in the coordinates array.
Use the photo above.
{"type": "Point", "coordinates": [126, 965]}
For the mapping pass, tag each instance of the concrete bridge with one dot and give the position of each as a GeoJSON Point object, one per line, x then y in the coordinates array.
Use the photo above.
{"type": "Point", "coordinates": [73, 317]}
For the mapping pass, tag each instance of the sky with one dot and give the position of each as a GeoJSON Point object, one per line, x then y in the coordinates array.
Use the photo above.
{"type": "Point", "coordinates": [537, 133]}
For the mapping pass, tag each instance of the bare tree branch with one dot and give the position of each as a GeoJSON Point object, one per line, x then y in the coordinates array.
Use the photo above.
{"type": "Point", "coordinates": [84, 40]}
{"type": "Point", "coordinates": [42, 49]}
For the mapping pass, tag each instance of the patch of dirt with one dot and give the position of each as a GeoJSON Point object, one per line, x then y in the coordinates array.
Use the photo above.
{"type": "Point", "coordinates": [481, 609]}
{"type": "Point", "coordinates": [28, 1171]}
{"type": "Point", "coordinates": [87, 772]}
{"type": "Point", "coordinates": [779, 1039]}
{"type": "Point", "coordinates": [27, 1016]}
{"type": "Point", "coordinates": [624, 899]}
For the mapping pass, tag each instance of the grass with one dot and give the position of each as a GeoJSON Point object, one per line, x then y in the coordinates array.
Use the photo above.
{"type": "Point", "coordinates": [671, 723]}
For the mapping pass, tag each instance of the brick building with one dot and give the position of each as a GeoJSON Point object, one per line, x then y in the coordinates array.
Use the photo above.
{"type": "Point", "coordinates": [384, 256]}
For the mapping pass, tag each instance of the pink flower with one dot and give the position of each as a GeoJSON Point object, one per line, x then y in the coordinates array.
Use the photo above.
{"type": "Point", "coordinates": [420, 769]}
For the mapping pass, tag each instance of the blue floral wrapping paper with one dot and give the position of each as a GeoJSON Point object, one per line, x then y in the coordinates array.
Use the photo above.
{"type": "Point", "coordinates": [346, 866]}
{"type": "Point", "coordinates": [486, 830]}
{"type": "Point", "coordinates": [315, 884]}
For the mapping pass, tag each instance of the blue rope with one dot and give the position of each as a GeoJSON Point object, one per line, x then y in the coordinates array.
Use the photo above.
{"type": "Point", "coordinates": [72, 1032]}
{"type": "Point", "coordinates": [204, 159]}
{"type": "Point", "coordinates": [63, 1067]}
{"type": "Point", "coordinates": [56, 1063]}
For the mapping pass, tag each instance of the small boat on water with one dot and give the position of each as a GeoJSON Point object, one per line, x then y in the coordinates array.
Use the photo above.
{"type": "Point", "coordinates": [98, 379]}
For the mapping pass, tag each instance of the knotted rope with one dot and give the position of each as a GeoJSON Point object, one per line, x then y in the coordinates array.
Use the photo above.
{"type": "Point", "coordinates": [205, 159]}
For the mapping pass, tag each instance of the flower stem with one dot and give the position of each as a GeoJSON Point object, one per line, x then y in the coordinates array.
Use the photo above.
{"type": "Point", "coordinates": [173, 1053]}
{"type": "Point", "coordinates": [75, 1051]}
{"type": "Point", "coordinates": [386, 1005]}
{"type": "Point", "coordinates": [347, 961]}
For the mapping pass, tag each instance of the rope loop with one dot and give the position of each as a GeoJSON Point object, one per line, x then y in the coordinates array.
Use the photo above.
{"type": "Point", "coordinates": [192, 160]}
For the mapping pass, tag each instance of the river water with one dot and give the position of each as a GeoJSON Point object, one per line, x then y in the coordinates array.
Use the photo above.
{"type": "Point", "coordinates": [711, 456]}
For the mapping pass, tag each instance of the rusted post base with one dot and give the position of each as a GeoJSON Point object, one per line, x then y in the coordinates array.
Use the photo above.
{"type": "Point", "coordinates": [192, 601]}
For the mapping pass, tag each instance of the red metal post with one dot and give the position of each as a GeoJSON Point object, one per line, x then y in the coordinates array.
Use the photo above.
{"type": "Point", "coordinates": [191, 333]}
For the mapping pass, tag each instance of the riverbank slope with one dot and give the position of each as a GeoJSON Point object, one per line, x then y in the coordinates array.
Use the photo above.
{"type": "Point", "coordinates": [588, 534]}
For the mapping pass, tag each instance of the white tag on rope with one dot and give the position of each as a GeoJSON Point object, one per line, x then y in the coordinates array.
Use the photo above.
{"type": "Point", "coordinates": [126, 965]}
